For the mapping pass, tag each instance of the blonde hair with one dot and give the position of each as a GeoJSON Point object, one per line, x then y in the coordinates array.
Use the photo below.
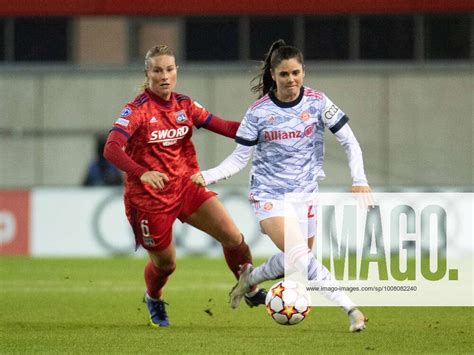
{"type": "Point", "coordinates": [155, 51]}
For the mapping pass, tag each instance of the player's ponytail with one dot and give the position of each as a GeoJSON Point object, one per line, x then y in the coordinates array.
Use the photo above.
{"type": "Point", "coordinates": [265, 81]}
{"type": "Point", "coordinates": [278, 52]}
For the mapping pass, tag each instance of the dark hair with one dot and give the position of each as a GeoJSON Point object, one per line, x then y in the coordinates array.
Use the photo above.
{"type": "Point", "coordinates": [277, 53]}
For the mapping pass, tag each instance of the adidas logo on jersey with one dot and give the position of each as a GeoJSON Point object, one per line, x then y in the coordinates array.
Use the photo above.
{"type": "Point", "coordinates": [164, 135]}
{"type": "Point", "coordinates": [153, 120]}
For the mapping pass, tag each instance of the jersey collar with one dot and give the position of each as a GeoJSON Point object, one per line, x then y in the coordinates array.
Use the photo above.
{"type": "Point", "coordinates": [159, 100]}
{"type": "Point", "coordinates": [286, 104]}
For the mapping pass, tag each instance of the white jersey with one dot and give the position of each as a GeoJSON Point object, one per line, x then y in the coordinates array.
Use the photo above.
{"type": "Point", "coordinates": [289, 140]}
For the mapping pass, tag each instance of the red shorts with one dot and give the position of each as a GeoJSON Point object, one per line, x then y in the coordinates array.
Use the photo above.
{"type": "Point", "coordinates": [153, 231]}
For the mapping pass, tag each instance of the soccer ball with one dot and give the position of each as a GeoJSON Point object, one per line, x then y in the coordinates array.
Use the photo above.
{"type": "Point", "coordinates": [288, 302]}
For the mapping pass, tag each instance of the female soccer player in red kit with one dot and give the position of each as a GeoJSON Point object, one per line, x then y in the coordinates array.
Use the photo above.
{"type": "Point", "coordinates": [151, 143]}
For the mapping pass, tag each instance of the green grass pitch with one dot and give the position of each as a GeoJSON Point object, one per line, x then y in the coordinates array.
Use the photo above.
{"type": "Point", "coordinates": [95, 306]}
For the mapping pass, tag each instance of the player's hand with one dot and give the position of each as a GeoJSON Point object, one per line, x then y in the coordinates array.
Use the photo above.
{"type": "Point", "coordinates": [364, 196]}
{"type": "Point", "coordinates": [155, 179]}
{"type": "Point", "coordinates": [198, 179]}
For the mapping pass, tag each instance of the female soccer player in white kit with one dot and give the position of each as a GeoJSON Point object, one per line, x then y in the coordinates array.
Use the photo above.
{"type": "Point", "coordinates": [284, 130]}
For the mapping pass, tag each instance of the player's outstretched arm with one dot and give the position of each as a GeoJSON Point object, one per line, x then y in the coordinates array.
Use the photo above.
{"type": "Point", "coordinates": [229, 167]}
{"type": "Point", "coordinates": [223, 127]}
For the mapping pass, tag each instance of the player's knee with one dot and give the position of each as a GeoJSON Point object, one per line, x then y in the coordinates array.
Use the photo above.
{"type": "Point", "coordinates": [236, 241]}
{"type": "Point", "coordinates": [230, 235]}
{"type": "Point", "coordinates": [165, 266]}
{"type": "Point", "coordinates": [168, 268]}
{"type": "Point", "coordinates": [231, 240]}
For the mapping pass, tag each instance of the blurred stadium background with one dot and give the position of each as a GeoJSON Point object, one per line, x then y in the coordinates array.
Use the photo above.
{"type": "Point", "coordinates": [401, 70]}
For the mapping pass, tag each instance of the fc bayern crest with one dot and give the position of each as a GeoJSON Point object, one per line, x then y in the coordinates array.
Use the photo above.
{"type": "Point", "coordinates": [305, 115]}
{"type": "Point", "coordinates": [181, 116]}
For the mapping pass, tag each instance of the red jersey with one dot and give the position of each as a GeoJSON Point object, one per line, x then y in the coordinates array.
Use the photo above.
{"type": "Point", "coordinates": [159, 139]}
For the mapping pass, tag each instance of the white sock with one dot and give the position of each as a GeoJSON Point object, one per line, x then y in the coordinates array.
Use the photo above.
{"type": "Point", "coordinates": [271, 269]}
{"type": "Point", "coordinates": [318, 272]}
{"type": "Point", "coordinates": [274, 268]}
{"type": "Point", "coordinates": [303, 260]}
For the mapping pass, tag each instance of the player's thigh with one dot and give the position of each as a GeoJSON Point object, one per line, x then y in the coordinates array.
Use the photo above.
{"type": "Point", "coordinates": [274, 227]}
{"type": "Point", "coordinates": [287, 226]}
{"type": "Point", "coordinates": [285, 232]}
{"type": "Point", "coordinates": [212, 218]}
{"type": "Point", "coordinates": [153, 231]}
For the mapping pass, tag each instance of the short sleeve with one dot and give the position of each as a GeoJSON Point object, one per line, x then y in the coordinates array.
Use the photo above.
{"type": "Point", "coordinates": [247, 134]}
{"type": "Point", "coordinates": [333, 117]}
{"type": "Point", "coordinates": [128, 122]}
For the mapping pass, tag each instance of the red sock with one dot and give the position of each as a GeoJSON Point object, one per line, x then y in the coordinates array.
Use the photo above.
{"type": "Point", "coordinates": [237, 256]}
{"type": "Point", "coordinates": [155, 279]}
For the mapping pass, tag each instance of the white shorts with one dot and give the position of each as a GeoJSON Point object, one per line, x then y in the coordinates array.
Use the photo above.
{"type": "Point", "coordinates": [304, 212]}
